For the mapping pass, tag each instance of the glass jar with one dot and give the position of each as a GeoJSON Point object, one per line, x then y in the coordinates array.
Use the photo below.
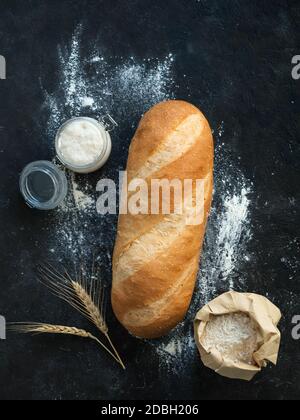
{"type": "Point", "coordinates": [43, 185]}
{"type": "Point", "coordinates": [104, 138]}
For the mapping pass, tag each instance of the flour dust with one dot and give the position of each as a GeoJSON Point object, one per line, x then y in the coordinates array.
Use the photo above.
{"type": "Point", "coordinates": [93, 84]}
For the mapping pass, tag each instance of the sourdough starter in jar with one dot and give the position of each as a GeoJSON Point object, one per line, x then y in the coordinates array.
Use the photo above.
{"type": "Point", "coordinates": [83, 145]}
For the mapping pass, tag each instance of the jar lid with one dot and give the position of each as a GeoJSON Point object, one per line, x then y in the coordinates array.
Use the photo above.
{"type": "Point", "coordinates": [43, 185]}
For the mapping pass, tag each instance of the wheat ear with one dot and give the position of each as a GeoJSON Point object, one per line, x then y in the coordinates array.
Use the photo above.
{"type": "Point", "coordinates": [40, 328]}
{"type": "Point", "coordinates": [93, 313]}
{"type": "Point", "coordinates": [87, 299]}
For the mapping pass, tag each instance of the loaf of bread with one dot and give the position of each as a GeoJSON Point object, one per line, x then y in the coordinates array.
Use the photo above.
{"type": "Point", "coordinates": [156, 256]}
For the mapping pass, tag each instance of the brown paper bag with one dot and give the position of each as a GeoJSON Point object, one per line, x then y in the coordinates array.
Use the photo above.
{"type": "Point", "coordinates": [262, 311]}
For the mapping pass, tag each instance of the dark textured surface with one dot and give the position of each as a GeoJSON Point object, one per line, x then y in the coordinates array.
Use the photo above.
{"type": "Point", "coordinates": [237, 59]}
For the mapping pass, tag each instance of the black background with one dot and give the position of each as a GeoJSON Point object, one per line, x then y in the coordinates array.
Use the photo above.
{"type": "Point", "coordinates": [237, 58]}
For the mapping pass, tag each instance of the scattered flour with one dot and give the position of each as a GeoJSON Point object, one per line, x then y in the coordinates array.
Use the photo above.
{"type": "Point", "coordinates": [229, 240]}
{"type": "Point", "coordinates": [96, 83]}
{"type": "Point", "coordinates": [173, 347]}
{"type": "Point", "coordinates": [236, 210]}
{"type": "Point", "coordinates": [177, 350]}
{"type": "Point", "coordinates": [87, 102]}
{"type": "Point", "coordinates": [83, 201]}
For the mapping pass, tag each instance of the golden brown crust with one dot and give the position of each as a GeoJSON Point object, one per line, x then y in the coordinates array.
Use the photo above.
{"type": "Point", "coordinates": [155, 292]}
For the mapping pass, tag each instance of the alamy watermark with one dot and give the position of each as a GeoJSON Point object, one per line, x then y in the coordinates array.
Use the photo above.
{"type": "Point", "coordinates": [157, 196]}
{"type": "Point", "coordinates": [2, 328]}
{"type": "Point", "coordinates": [2, 67]}
{"type": "Point", "coordinates": [296, 68]}
{"type": "Point", "coordinates": [296, 328]}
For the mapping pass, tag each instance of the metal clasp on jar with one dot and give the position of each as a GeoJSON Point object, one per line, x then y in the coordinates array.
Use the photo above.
{"type": "Point", "coordinates": [108, 122]}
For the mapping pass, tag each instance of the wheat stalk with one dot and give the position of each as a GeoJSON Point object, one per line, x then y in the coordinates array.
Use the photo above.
{"type": "Point", "coordinates": [87, 299]}
{"type": "Point", "coordinates": [40, 328]}
{"type": "Point", "coordinates": [90, 309]}
{"type": "Point", "coordinates": [94, 314]}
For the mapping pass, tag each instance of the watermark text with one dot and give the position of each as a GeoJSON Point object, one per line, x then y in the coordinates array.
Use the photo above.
{"type": "Point", "coordinates": [2, 328]}
{"type": "Point", "coordinates": [156, 197]}
{"type": "Point", "coordinates": [2, 68]}
{"type": "Point", "coordinates": [296, 68]}
{"type": "Point", "coordinates": [296, 328]}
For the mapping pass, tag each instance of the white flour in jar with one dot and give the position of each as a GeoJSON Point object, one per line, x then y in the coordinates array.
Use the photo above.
{"type": "Point", "coordinates": [80, 143]}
